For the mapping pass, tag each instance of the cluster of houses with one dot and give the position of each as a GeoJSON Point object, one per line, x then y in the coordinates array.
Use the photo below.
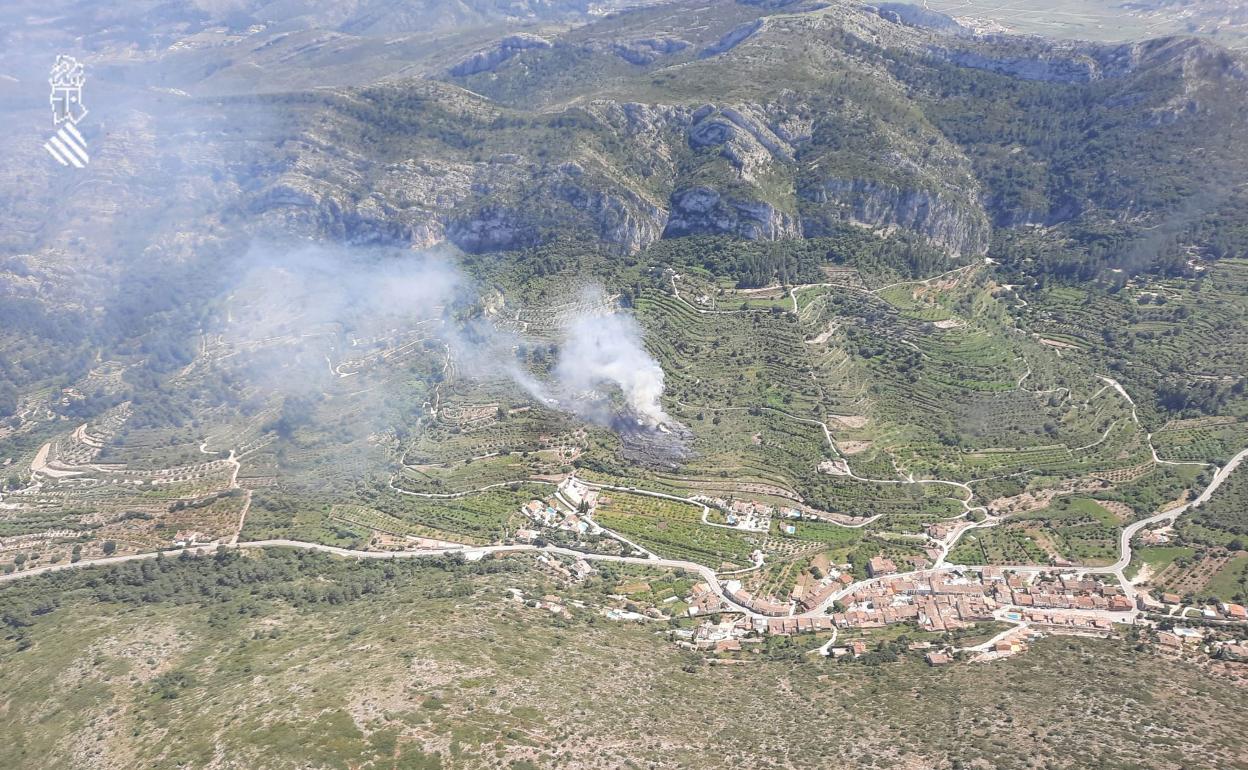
{"type": "Point", "coordinates": [1220, 611]}
{"type": "Point", "coordinates": [752, 516]}
{"type": "Point", "coordinates": [1182, 638]}
{"type": "Point", "coordinates": [550, 602]}
{"type": "Point", "coordinates": [556, 568]}
{"type": "Point", "coordinates": [943, 600]}
{"type": "Point", "coordinates": [760, 604]}
{"type": "Point", "coordinates": [745, 515]}
{"type": "Point", "coordinates": [543, 515]}
{"type": "Point", "coordinates": [576, 492]}
{"type": "Point", "coordinates": [1065, 592]}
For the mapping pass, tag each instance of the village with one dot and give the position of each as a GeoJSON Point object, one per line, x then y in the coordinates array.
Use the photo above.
{"type": "Point", "coordinates": [937, 601]}
{"type": "Point", "coordinates": [723, 619]}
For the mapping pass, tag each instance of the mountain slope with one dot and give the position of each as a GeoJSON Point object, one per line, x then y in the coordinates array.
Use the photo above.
{"type": "Point", "coordinates": [784, 127]}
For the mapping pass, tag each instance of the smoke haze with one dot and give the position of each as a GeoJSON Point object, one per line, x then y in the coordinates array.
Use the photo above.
{"type": "Point", "coordinates": [607, 350]}
{"type": "Point", "coordinates": [299, 309]}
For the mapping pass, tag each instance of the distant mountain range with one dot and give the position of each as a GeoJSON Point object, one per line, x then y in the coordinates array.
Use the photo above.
{"type": "Point", "coordinates": [749, 120]}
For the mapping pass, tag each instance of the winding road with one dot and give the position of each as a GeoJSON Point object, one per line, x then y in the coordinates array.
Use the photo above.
{"type": "Point", "coordinates": [1124, 542]}
{"type": "Point", "coordinates": [706, 573]}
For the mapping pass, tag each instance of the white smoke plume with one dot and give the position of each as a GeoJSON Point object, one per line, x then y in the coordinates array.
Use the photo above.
{"type": "Point", "coordinates": [607, 349]}
{"type": "Point", "coordinates": [292, 302]}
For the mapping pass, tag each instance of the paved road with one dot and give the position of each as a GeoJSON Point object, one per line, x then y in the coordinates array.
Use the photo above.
{"type": "Point", "coordinates": [707, 574]}
{"type": "Point", "coordinates": [1124, 544]}
{"type": "Point", "coordinates": [470, 551]}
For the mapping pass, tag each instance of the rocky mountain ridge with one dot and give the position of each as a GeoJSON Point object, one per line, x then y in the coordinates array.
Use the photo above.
{"type": "Point", "coordinates": [792, 166]}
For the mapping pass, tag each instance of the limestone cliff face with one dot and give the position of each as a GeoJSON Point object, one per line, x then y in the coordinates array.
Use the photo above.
{"type": "Point", "coordinates": [1198, 59]}
{"type": "Point", "coordinates": [648, 50]}
{"type": "Point", "coordinates": [960, 228]}
{"type": "Point", "coordinates": [734, 38]}
{"type": "Point", "coordinates": [1050, 69]}
{"type": "Point", "coordinates": [493, 228]}
{"type": "Point", "coordinates": [703, 210]}
{"type": "Point", "coordinates": [714, 169]}
{"type": "Point", "coordinates": [489, 59]}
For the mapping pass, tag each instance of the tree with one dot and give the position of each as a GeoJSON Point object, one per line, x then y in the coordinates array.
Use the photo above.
{"type": "Point", "coordinates": [8, 398]}
{"type": "Point", "coordinates": [109, 547]}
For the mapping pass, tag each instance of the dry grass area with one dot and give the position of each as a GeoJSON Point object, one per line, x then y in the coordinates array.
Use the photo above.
{"type": "Point", "coordinates": [444, 671]}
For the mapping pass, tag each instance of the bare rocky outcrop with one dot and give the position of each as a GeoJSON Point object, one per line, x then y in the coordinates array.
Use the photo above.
{"type": "Point", "coordinates": [648, 50]}
{"type": "Point", "coordinates": [915, 16]}
{"type": "Point", "coordinates": [735, 37]}
{"type": "Point", "coordinates": [493, 228]}
{"type": "Point", "coordinates": [704, 210]}
{"type": "Point", "coordinates": [957, 227]}
{"type": "Point", "coordinates": [1199, 60]}
{"type": "Point", "coordinates": [489, 59]}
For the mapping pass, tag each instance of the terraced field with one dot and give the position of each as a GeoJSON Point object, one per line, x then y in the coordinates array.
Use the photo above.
{"type": "Point", "coordinates": [1191, 335]}
{"type": "Point", "coordinates": [1223, 520]}
{"type": "Point", "coordinates": [1073, 530]}
{"type": "Point", "coordinates": [730, 359]}
{"type": "Point", "coordinates": [1204, 439]}
{"type": "Point", "coordinates": [674, 530]}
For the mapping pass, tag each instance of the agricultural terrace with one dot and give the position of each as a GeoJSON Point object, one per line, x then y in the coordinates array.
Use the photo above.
{"type": "Point", "coordinates": [674, 530]}
{"type": "Point", "coordinates": [1202, 439]}
{"type": "Point", "coordinates": [478, 424]}
{"type": "Point", "coordinates": [466, 476]}
{"type": "Point", "coordinates": [1072, 530]}
{"type": "Point", "coordinates": [730, 359]}
{"type": "Point", "coordinates": [1198, 577]}
{"type": "Point", "coordinates": [779, 461]}
{"type": "Point", "coordinates": [1189, 335]}
{"type": "Point", "coordinates": [476, 519]}
{"type": "Point", "coordinates": [701, 289]}
{"type": "Point", "coordinates": [948, 386]}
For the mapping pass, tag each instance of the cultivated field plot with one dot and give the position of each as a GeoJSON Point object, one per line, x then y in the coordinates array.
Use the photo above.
{"type": "Point", "coordinates": [467, 428]}
{"type": "Point", "coordinates": [1230, 583]}
{"type": "Point", "coordinates": [730, 359]}
{"type": "Point", "coordinates": [1205, 439]}
{"type": "Point", "coordinates": [750, 450]}
{"type": "Point", "coordinates": [1157, 560]}
{"type": "Point", "coordinates": [914, 523]}
{"type": "Point", "coordinates": [478, 519]}
{"type": "Point", "coordinates": [707, 292]}
{"type": "Point", "coordinates": [485, 517]}
{"type": "Point", "coordinates": [998, 545]}
{"type": "Point", "coordinates": [466, 476]}
{"type": "Point", "coordinates": [829, 535]}
{"type": "Point", "coordinates": [1218, 575]}
{"type": "Point", "coordinates": [674, 530]}
{"type": "Point", "coordinates": [357, 516]}
{"type": "Point", "coordinates": [1074, 530]}
{"type": "Point", "coordinates": [916, 301]}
